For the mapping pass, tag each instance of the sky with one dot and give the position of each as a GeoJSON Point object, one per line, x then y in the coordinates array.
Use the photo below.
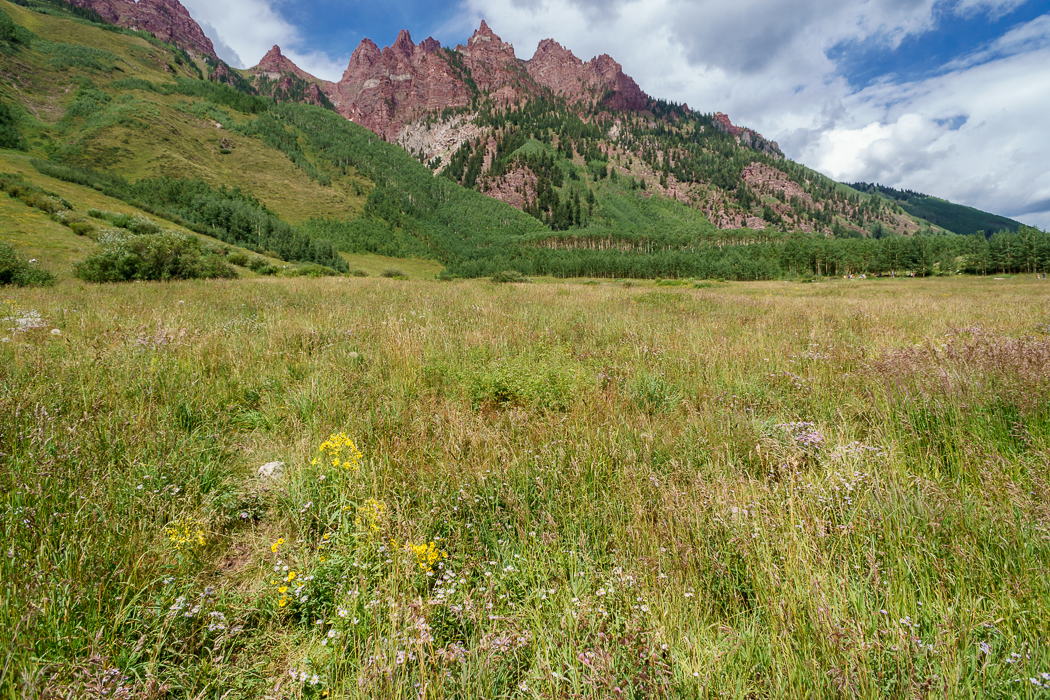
{"type": "Point", "coordinates": [946, 97]}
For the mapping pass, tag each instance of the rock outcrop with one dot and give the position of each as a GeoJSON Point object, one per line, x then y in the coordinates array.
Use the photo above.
{"type": "Point", "coordinates": [747, 137]}
{"type": "Point", "coordinates": [494, 67]}
{"type": "Point", "coordinates": [168, 20]}
{"type": "Point", "coordinates": [557, 68]}
{"type": "Point", "coordinates": [385, 89]}
{"type": "Point", "coordinates": [277, 76]}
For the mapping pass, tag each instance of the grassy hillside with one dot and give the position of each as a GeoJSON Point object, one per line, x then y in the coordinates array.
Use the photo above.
{"type": "Point", "coordinates": [953, 217]}
{"type": "Point", "coordinates": [754, 490]}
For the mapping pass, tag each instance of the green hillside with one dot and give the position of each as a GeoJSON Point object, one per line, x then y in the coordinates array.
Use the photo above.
{"type": "Point", "coordinates": [954, 217]}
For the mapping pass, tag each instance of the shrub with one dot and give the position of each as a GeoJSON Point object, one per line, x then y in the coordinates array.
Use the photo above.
{"type": "Point", "coordinates": [158, 256]}
{"type": "Point", "coordinates": [16, 270]}
{"type": "Point", "coordinates": [81, 228]}
{"type": "Point", "coordinates": [393, 273]}
{"type": "Point", "coordinates": [358, 273]}
{"type": "Point", "coordinates": [309, 270]}
{"type": "Point", "coordinates": [10, 134]}
{"type": "Point", "coordinates": [509, 276]}
{"type": "Point", "coordinates": [238, 258]}
{"type": "Point", "coordinates": [257, 263]}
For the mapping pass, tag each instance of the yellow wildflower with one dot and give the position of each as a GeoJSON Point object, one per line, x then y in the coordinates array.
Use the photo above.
{"type": "Point", "coordinates": [370, 517]}
{"type": "Point", "coordinates": [186, 534]}
{"type": "Point", "coordinates": [276, 545]}
{"type": "Point", "coordinates": [339, 451]}
{"type": "Point", "coordinates": [426, 555]}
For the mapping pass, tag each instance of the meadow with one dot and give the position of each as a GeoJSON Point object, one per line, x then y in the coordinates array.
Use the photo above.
{"type": "Point", "coordinates": [557, 490]}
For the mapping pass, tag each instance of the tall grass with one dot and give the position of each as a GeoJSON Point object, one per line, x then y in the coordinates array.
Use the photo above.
{"type": "Point", "coordinates": [761, 490]}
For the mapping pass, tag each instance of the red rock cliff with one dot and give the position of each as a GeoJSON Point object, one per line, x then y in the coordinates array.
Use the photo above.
{"type": "Point", "coordinates": [168, 20]}
{"type": "Point", "coordinates": [384, 90]}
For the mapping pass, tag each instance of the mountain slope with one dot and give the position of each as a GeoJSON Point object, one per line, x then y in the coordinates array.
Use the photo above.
{"type": "Point", "coordinates": [954, 217]}
{"type": "Point", "coordinates": [167, 20]}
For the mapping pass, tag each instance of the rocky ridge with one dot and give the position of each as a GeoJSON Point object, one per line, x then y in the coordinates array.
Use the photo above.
{"type": "Point", "coordinates": [747, 137]}
{"type": "Point", "coordinates": [386, 89]}
{"type": "Point", "coordinates": [168, 20]}
{"type": "Point", "coordinates": [278, 77]}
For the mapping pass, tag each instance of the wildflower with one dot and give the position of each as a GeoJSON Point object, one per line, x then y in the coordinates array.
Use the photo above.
{"type": "Point", "coordinates": [426, 555]}
{"type": "Point", "coordinates": [339, 451]}
{"type": "Point", "coordinates": [370, 517]}
{"type": "Point", "coordinates": [186, 534]}
{"type": "Point", "coordinates": [341, 612]}
{"type": "Point", "coordinates": [276, 545]}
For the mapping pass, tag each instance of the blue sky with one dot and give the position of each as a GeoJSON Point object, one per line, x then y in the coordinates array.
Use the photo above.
{"type": "Point", "coordinates": [948, 97]}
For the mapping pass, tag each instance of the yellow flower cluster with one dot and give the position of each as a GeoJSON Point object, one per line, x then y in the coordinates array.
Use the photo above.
{"type": "Point", "coordinates": [426, 555]}
{"type": "Point", "coordinates": [186, 534]}
{"type": "Point", "coordinates": [339, 451]}
{"type": "Point", "coordinates": [282, 588]}
{"type": "Point", "coordinates": [370, 517]}
{"type": "Point", "coordinates": [276, 545]}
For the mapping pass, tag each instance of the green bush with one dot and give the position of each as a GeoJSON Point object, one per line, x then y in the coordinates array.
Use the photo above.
{"type": "Point", "coordinates": [81, 228]}
{"type": "Point", "coordinates": [77, 56]}
{"type": "Point", "coordinates": [157, 256]}
{"type": "Point", "coordinates": [358, 273]}
{"type": "Point", "coordinates": [393, 273]}
{"type": "Point", "coordinates": [16, 270]}
{"type": "Point", "coordinates": [509, 276]}
{"type": "Point", "coordinates": [309, 270]}
{"type": "Point", "coordinates": [238, 258]}
{"type": "Point", "coordinates": [10, 134]}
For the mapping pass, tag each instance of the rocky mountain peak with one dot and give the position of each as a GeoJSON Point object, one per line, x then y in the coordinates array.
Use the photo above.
{"type": "Point", "coordinates": [747, 137]}
{"type": "Point", "coordinates": [168, 20]}
{"type": "Point", "coordinates": [557, 68]}
{"type": "Point", "coordinates": [403, 45]}
{"type": "Point", "coordinates": [485, 33]}
{"type": "Point", "coordinates": [551, 51]}
{"type": "Point", "coordinates": [273, 59]}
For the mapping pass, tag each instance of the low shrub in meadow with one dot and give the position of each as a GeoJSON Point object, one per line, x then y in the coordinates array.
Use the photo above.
{"type": "Point", "coordinates": [156, 256]}
{"type": "Point", "coordinates": [15, 269]}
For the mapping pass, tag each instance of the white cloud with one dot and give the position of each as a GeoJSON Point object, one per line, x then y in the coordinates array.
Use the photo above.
{"type": "Point", "coordinates": [995, 9]}
{"type": "Point", "coordinates": [244, 30]}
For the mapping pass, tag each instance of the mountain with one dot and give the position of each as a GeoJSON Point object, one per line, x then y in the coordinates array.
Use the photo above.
{"type": "Point", "coordinates": [277, 77]}
{"type": "Point", "coordinates": [167, 20]}
{"type": "Point", "coordinates": [551, 166]}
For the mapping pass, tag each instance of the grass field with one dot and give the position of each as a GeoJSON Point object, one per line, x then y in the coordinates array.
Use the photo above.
{"type": "Point", "coordinates": [769, 490]}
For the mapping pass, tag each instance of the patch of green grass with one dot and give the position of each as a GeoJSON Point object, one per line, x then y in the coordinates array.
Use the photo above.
{"type": "Point", "coordinates": [375, 265]}
{"type": "Point", "coordinates": [37, 235]}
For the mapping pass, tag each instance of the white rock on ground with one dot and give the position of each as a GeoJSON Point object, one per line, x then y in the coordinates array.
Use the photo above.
{"type": "Point", "coordinates": [271, 471]}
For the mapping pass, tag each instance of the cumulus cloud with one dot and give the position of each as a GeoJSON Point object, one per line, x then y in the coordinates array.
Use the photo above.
{"type": "Point", "coordinates": [244, 30]}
